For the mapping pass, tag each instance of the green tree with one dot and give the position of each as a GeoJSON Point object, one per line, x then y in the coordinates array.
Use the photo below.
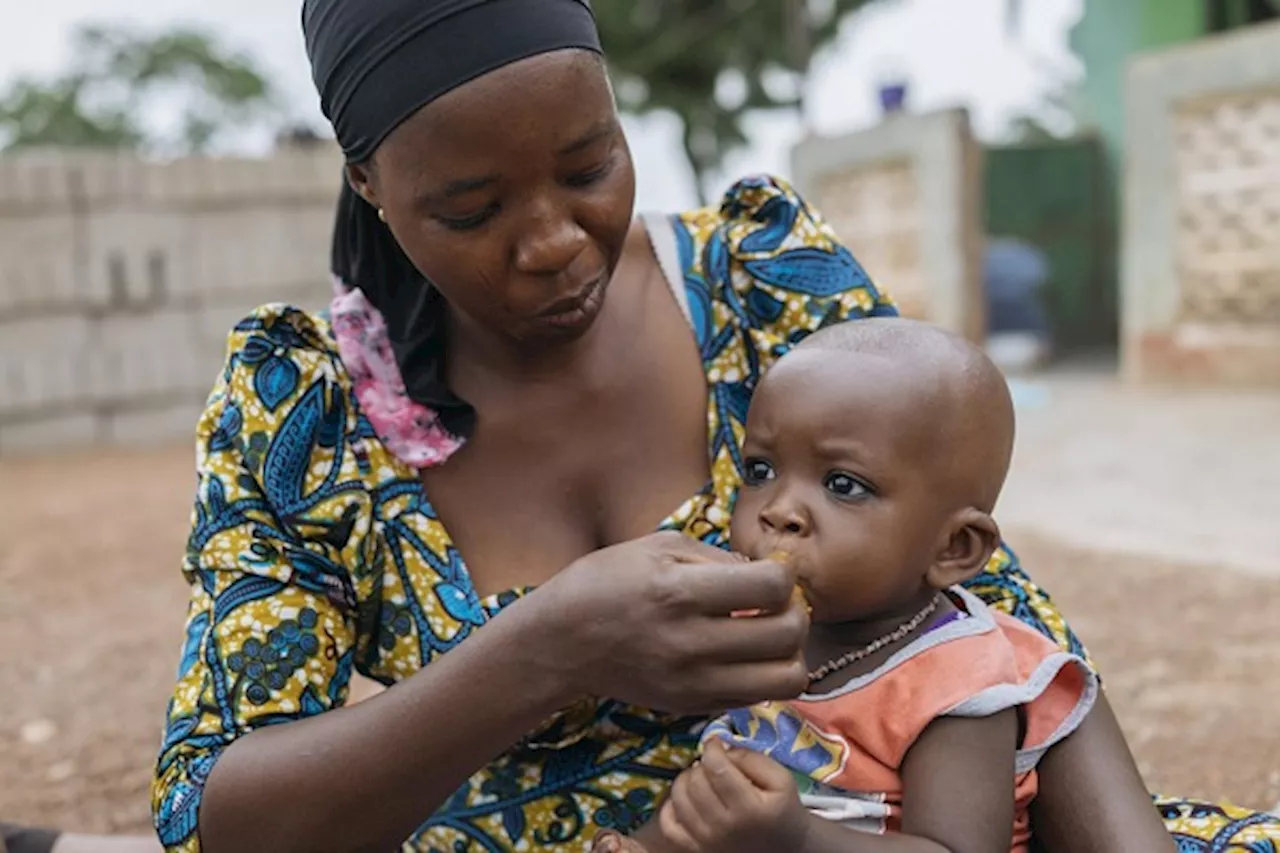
{"type": "Point", "coordinates": [712, 61]}
{"type": "Point", "coordinates": [118, 76]}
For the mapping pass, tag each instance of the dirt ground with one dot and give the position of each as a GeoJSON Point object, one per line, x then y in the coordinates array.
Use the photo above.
{"type": "Point", "coordinates": [91, 606]}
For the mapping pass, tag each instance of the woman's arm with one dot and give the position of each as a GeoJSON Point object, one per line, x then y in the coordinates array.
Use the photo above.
{"type": "Point", "coordinates": [258, 752]}
{"type": "Point", "coordinates": [364, 777]}
{"type": "Point", "coordinates": [393, 760]}
{"type": "Point", "coordinates": [1092, 798]}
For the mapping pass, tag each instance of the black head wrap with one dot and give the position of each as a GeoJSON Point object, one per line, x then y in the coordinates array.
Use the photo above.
{"type": "Point", "coordinates": [377, 62]}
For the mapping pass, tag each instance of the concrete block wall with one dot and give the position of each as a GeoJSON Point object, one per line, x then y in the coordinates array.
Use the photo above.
{"type": "Point", "coordinates": [906, 197]}
{"type": "Point", "coordinates": [1200, 260]}
{"type": "Point", "coordinates": [120, 278]}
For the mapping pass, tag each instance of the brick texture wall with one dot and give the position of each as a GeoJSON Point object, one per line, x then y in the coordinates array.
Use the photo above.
{"type": "Point", "coordinates": [120, 278]}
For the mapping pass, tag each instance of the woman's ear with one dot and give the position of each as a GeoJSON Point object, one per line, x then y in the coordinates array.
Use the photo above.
{"type": "Point", "coordinates": [360, 177]}
{"type": "Point", "coordinates": [969, 539]}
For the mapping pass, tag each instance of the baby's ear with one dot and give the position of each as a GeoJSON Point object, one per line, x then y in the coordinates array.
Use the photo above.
{"type": "Point", "coordinates": [966, 544]}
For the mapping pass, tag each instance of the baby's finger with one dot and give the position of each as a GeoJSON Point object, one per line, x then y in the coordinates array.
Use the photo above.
{"type": "Point", "coordinates": [731, 785]}
{"type": "Point", "coordinates": [713, 810]}
{"type": "Point", "coordinates": [674, 834]}
{"type": "Point", "coordinates": [687, 811]}
{"type": "Point", "coordinates": [762, 771]}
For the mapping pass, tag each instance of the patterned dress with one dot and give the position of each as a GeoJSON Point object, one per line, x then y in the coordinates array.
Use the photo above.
{"type": "Point", "coordinates": [315, 552]}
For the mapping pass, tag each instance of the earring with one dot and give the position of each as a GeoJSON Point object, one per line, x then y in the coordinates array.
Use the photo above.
{"type": "Point", "coordinates": [382, 215]}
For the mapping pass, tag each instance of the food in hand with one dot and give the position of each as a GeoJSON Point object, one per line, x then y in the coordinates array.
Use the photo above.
{"type": "Point", "coordinates": [799, 594]}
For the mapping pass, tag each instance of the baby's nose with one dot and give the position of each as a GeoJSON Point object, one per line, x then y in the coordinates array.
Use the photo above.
{"type": "Point", "coordinates": [785, 519]}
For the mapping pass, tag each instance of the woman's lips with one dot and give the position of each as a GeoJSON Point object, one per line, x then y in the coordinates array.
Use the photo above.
{"type": "Point", "coordinates": [576, 310]}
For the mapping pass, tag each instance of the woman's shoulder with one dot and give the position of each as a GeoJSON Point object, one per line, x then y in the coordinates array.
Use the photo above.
{"type": "Point", "coordinates": [286, 325]}
{"type": "Point", "coordinates": [280, 347]}
{"type": "Point", "coordinates": [762, 214]}
{"type": "Point", "coordinates": [744, 199]}
{"type": "Point", "coordinates": [763, 236]}
{"type": "Point", "coordinates": [765, 260]}
{"type": "Point", "coordinates": [278, 358]}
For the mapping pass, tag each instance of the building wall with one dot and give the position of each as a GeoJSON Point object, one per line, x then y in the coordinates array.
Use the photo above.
{"type": "Point", "coordinates": [906, 197]}
{"type": "Point", "coordinates": [1201, 262]}
{"type": "Point", "coordinates": [1108, 35]}
{"type": "Point", "coordinates": [120, 278]}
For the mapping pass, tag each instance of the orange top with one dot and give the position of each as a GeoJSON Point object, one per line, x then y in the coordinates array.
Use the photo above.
{"type": "Point", "coordinates": [846, 747]}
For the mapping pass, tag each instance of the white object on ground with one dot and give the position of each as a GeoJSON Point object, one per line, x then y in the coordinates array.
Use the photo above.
{"type": "Point", "coordinates": [37, 732]}
{"type": "Point", "coordinates": [1018, 352]}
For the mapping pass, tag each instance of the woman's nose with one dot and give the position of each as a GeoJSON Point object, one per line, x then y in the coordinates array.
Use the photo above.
{"type": "Point", "coordinates": [551, 240]}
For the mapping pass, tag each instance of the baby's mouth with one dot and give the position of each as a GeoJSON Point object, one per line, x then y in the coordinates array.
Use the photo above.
{"type": "Point", "coordinates": [800, 594]}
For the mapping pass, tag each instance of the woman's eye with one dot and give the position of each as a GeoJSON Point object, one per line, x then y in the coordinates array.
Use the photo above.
{"type": "Point", "coordinates": [467, 223]}
{"type": "Point", "coordinates": [757, 471]}
{"type": "Point", "coordinates": [586, 179]}
{"type": "Point", "coordinates": [846, 485]}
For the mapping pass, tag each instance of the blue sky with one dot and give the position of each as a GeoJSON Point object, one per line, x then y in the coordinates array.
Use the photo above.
{"type": "Point", "coordinates": [953, 52]}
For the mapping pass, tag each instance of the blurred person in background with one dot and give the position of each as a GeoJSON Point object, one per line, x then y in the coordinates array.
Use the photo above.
{"type": "Point", "coordinates": [1018, 334]}
{"type": "Point", "coordinates": [517, 369]}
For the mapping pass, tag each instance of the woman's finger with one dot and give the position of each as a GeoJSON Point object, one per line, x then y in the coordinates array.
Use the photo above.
{"type": "Point", "coordinates": [722, 588]}
{"type": "Point", "coordinates": [758, 638]}
{"type": "Point", "coordinates": [741, 684]}
{"type": "Point", "coordinates": [686, 549]}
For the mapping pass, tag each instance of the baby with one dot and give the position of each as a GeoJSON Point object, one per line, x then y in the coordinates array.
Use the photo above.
{"type": "Point", "coordinates": [874, 456]}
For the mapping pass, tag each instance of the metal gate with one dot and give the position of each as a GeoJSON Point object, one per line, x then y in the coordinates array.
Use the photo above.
{"type": "Point", "coordinates": [1059, 196]}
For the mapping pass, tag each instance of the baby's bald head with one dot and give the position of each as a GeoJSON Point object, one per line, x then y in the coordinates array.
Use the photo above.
{"type": "Point", "coordinates": [873, 458]}
{"type": "Point", "coordinates": [957, 396]}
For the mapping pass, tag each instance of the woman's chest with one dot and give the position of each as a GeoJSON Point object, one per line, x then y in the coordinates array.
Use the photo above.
{"type": "Point", "coordinates": [522, 502]}
{"type": "Point", "coordinates": [602, 454]}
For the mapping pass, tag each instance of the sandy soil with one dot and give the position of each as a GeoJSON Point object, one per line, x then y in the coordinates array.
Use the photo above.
{"type": "Point", "coordinates": [91, 606]}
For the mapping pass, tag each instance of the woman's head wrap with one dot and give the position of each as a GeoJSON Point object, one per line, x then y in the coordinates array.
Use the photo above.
{"type": "Point", "coordinates": [375, 63]}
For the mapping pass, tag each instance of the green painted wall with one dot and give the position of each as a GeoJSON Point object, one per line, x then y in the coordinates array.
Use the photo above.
{"type": "Point", "coordinates": [1171, 21]}
{"type": "Point", "coordinates": [1107, 36]}
{"type": "Point", "coordinates": [1104, 39]}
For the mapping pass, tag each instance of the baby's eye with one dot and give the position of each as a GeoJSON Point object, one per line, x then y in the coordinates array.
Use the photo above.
{"type": "Point", "coordinates": [846, 485]}
{"type": "Point", "coordinates": [757, 471]}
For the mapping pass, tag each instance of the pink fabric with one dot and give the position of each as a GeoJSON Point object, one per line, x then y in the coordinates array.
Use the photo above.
{"type": "Point", "coordinates": [410, 430]}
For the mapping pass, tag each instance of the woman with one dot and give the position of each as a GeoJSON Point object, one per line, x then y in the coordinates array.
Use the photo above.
{"type": "Point", "coordinates": [508, 373]}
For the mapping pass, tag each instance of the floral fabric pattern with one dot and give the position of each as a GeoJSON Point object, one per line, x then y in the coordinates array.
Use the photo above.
{"type": "Point", "coordinates": [315, 552]}
{"type": "Point", "coordinates": [410, 430]}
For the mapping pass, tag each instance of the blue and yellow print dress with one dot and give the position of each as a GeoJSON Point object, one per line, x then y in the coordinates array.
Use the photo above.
{"type": "Point", "coordinates": [315, 553]}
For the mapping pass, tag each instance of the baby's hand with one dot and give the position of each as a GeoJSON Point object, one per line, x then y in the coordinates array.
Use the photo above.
{"type": "Point", "coordinates": [733, 801]}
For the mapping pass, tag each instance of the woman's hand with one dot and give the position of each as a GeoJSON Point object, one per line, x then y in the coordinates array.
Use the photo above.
{"type": "Point", "coordinates": [649, 622]}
